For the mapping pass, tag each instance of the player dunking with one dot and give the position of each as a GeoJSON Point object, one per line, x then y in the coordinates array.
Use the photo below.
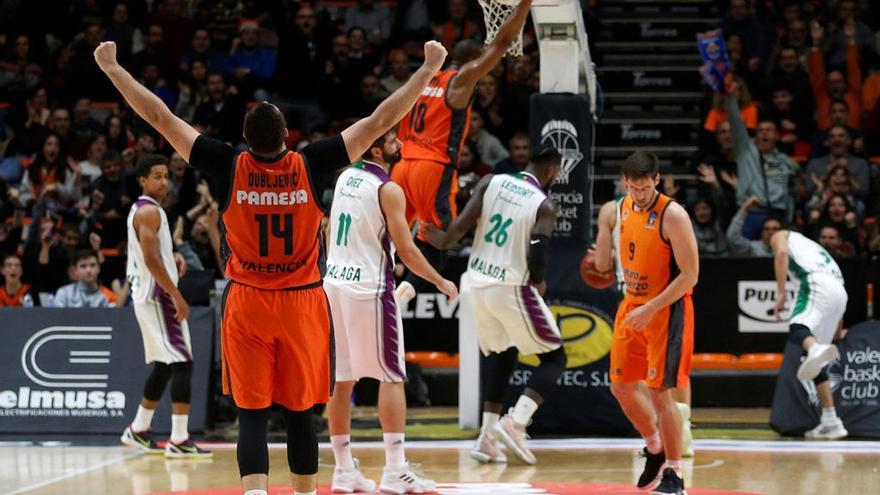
{"type": "Point", "coordinates": [503, 287]}
{"type": "Point", "coordinates": [432, 134]}
{"type": "Point", "coordinates": [276, 329]}
{"type": "Point", "coordinates": [161, 314]}
{"type": "Point", "coordinates": [653, 329]}
{"type": "Point", "coordinates": [367, 223]}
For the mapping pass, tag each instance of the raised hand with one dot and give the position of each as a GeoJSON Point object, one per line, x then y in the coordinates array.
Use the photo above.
{"type": "Point", "coordinates": [435, 55]}
{"type": "Point", "coordinates": [105, 55]}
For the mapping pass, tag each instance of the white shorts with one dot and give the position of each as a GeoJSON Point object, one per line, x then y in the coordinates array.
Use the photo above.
{"type": "Point", "coordinates": [369, 336]}
{"type": "Point", "coordinates": [510, 315]}
{"type": "Point", "coordinates": [165, 339]}
{"type": "Point", "coordinates": [820, 305]}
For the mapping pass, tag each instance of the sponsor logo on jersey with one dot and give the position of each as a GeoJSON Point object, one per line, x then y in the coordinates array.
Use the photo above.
{"type": "Point", "coordinates": [756, 300]}
{"type": "Point", "coordinates": [433, 92]}
{"type": "Point", "coordinates": [652, 219]}
{"type": "Point", "coordinates": [271, 198]}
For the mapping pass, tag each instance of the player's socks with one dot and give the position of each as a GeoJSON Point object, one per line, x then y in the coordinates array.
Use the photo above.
{"type": "Point", "coordinates": [257, 492]}
{"type": "Point", "coordinates": [489, 420]}
{"type": "Point", "coordinates": [523, 410]}
{"type": "Point", "coordinates": [179, 432]}
{"type": "Point", "coordinates": [142, 419]}
{"type": "Point", "coordinates": [654, 443]}
{"type": "Point", "coordinates": [674, 464]}
{"type": "Point", "coordinates": [395, 455]}
{"type": "Point", "coordinates": [404, 294]}
{"type": "Point", "coordinates": [687, 437]}
{"type": "Point", "coordinates": [829, 414]}
{"type": "Point", "coordinates": [342, 451]}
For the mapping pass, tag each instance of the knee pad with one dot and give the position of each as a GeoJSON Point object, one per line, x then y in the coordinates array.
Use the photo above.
{"type": "Point", "coordinates": [496, 370]}
{"type": "Point", "coordinates": [181, 382]}
{"type": "Point", "coordinates": [156, 382]}
{"type": "Point", "coordinates": [302, 442]}
{"type": "Point", "coordinates": [797, 333]}
{"type": "Point", "coordinates": [822, 377]}
{"type": "Point", "coordinates": [543, 380]}
{"type": "Point", "coordinates": [252, 450]}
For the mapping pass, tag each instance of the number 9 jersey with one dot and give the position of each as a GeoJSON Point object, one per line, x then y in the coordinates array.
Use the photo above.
{"type": "Point", "coordinates": [272, 223]}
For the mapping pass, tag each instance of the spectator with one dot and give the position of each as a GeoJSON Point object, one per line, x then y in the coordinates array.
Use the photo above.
{"type": "Point", "coordinates": [833, 85]}
{"type": "Point", "coordinates": [192, 90]}
{"type": "Point", "coordinates": [153, 51]}
{"type": "Point", "coordinates": [110, 201]}
{"type": "Point", "coordinates": [488, 147]}
{"type": "Point", "coordinates": [721, 195]}
{"type": "Point", "coordinates": [838, 146]}
{"type": "Point", "coordinates": [20, 72]}
{"type": "Point", "coordinates": [182, 180]}
{"type": "Point", "coordinates": [82, 78]}
{"type": "Point", "coordinates": [794, 123]}
{"type": "Point", "coordinates": [849, 30]}
{"type": "Point", "coordinates": [339, 86]}
{"type": "Point", "coordinates": [56, 248]}
{"type": "Point", "coordinates": [741, 22]}
{"type": "Point", "coordinates": [399, 71]}
{"type": "Point", "coordinates": [762, 170]}
{"type": "Point", "coordinates": [86, 292]}
{"type": "Point", "coordinates": [296, 80]}
{"type": "Point", "coordinates": [836, 181]}
{"type": "Point", "coordinates": [740, 66]}
{"type": "Point", "coordinates": [249, 66]}
{"type": "Point", "coordinates": [748, 110]}
{"type": "Point", "coordinates": [489, 104]}
{"type": "Point", "coordinates": [37, 122]}
{"type": "Point", "coordinates": [360, 54]}
{"type": "Point", "coordinates": [90, 168]}
{"type": "Point", "coordinates": [52, 174]}
{"type": "Point", "coordinates": [59, 124]}
{"type": "Point", "coordinates": [519, 155]}
{"type": "Point", "coordinates": [711, 239]}
{"type": "Point", "coordinates": [222, 114]}
{"type": "Point", "coordinates": [127, 36]}
{"type": "Point", "coordinates": [371, 16]}
{"type": "Point", "coordinates": [841, 213]}
{"type": "Point", "coordinates": [829, 238]}
{"type": "Point", "coordinates": [741, 245]}
{"type": "Point", "coordinates": [838, 114]}
{"type": "Point", "coordinates": [458, 26]}
{"type": "Point", "coordinates": [199, 49]}
{"type": "Point", "coordinates": [119, 137]}
{"type": "Point", "coordinates": [15, 293]}
{"type": "Point", "coordinates": [176, 30]}
{"type": "Point", "coordinates": [370, 96]}
{"type": "Point", "coordinates": [789, 72]}
{"type": "Point", "coordinates": [83, 128]}
{"type": "Point", "coordinates": [151, 78]}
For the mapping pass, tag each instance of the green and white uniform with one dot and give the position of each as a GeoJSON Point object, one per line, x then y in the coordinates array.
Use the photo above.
{"type": "Point", "coordinates": [821, 298]}
{"type": "Point", "coordinates": [507, 310]}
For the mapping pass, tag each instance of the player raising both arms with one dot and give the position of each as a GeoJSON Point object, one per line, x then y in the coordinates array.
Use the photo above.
{"type": "Point", "coordinates": [432, 134]}
{"type": "Point", "coordinates": [276, 329]}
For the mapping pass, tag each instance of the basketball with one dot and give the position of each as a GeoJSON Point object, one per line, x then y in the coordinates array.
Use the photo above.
{"type": "Point", "coordinates": [593, 277]}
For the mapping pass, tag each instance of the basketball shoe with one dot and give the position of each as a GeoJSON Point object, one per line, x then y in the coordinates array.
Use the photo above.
{"type": "Point", "coordinates": [817, 357]}
{"type": "Point", "coordinates": [186, 450]}
{"type": "Point", "coordinates": [828, 430]}
{"type": "Point", "coordinates": [405, 480]}
{"type": "Point", "coordinates": [487, 450]}
{"type": "Point", "coordinates": [671, 484]}
{"type": "Point", "coordinates": [653, 464]}
{"type": "Point", "coordinates": [514, 437]}
{"type": "Point", "coordinates": [140, 440]}
{"type": "Point", "coordinates": [351, 480]}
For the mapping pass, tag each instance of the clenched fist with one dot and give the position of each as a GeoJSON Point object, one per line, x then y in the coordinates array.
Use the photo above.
{"type": "Point", "coordinates": [435, 55]}
{"type": "Point", "coordinates": [105, 55]}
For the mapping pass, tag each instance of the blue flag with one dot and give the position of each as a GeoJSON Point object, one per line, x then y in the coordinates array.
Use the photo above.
{"type": "Point", "coordinates": [716, 65]}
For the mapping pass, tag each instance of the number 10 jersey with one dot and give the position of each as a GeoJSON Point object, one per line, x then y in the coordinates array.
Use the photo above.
{"type": "Point", "coordinates": [501, 241]}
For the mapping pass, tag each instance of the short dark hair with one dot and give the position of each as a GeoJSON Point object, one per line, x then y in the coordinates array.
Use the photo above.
{"type": "Point", "coordinates": [264, 127]}
{"type": "Point", "coordinates": [110, 156]}
{"type": "Point", "coordinates": [378, 143]}
{"type": "Point", "coordinates": [83, 254]}
{"type": "Point", "coordinates": [773, 218]}
{"type": "Point", "coordinates": [639, 165]}
{"type": "Point", "coordinates": [840, 101]}
{"type": "Point", "coordinates": [146, 163]}
{"type": "Point", "coordinates": [466, 50]}
{"type": "Point", "coordinates": [547, 156]}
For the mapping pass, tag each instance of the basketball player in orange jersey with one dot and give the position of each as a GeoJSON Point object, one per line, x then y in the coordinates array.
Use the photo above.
{"type": "Point", "coordinates": [654, 328]}
{"type": "Point", "coordinates": [276, 332]}
{"type": "Point", "coordinates": [432, 134]}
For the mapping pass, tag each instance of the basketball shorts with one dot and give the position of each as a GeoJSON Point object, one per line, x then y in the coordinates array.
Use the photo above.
{"type": "Point", "coordinates": [430, 188]}
{"type": "Point", "coordinates": [660, 354]}
{"type": "Point", "coordinates": [819, 306]}
{"type": "Point", "coordinates": [166, 340]}
{"type": "Point", "coordinates": [510, 316]}
{"type": "Point", "coordinates": [369, 336]}
{"type": "Point", "coordinates": [276, 347]}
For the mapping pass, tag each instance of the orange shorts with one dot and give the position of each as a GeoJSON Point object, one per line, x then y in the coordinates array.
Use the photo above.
{"type": "Point", "coordinates": [430, 188]}
{"type": "Point", "coordinates": [661, 353]}
{"type": "Point", "coordinates": [276, 347]}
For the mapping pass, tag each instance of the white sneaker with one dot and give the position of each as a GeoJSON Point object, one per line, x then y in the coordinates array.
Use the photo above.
{"type": "Point", "coordinates": [487, 450]}
{"type": "Point", "coordinates": [687, 438]}
{"type": "Point", "coordinates": [514, 437]}
{"type": "Point", "coordinates": [830, 430]}
{"type": "Point", "coordinates": [405, 480]}
{"type": "Point", "coordinates": [817, 357]}
{"type": "Point", "coordinates": [351, 480]}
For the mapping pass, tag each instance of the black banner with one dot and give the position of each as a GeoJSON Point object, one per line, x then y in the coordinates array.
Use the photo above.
{"type": "Point", "coordinates": [855, 380]}
{"type": "Point", "coordinates": [83, 371]}
{"type": "Point", "coordinates": [563, 120]}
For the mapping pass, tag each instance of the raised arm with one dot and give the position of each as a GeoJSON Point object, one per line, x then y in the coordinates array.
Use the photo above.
{"type": "Point", "coordinates": [464, 222]}
{"type": "Point", "coordinates": [737, 126]}
{"type": "Point", "coordinates": [361, 135]}
{"type": "Point", "coordinates": [146, 104]}
{"type": "Point", "coordinates": [603, 249]}
{"type": "Point", "coordinates": [146, 224]}
{"type": "Point", "coordinates": [462, 86]}
{"type": "Point", "coordinates": [779, 244]}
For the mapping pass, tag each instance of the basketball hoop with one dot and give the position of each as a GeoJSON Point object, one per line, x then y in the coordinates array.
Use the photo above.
{"type": "Point", "coordinates": [495, 12]}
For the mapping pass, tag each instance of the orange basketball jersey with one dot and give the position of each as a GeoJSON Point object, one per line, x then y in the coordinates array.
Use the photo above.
{"type": "Point", "coordinates": [645, 256]}
{"type": "Point", "coordinates": [271, 226]}
{"type": "Point", "coordinates": [433, 130]}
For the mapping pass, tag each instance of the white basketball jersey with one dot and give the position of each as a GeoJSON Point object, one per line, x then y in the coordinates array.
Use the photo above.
{"type": "Point", "coordinates": [501, 242]}
{"type": "Point", "coordinates": [142, 281]}
{"type": "Point", "coordinates": [806, 257]}
{"type": "Point", "coordinates": [361, 255]}
{"type": "Point", "coordinates": [615, 247]}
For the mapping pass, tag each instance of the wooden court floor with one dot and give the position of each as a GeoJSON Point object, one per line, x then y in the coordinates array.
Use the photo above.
{"type": "Point", "coordinates": [564, 467]}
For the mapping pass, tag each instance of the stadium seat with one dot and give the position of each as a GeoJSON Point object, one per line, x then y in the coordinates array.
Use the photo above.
{"type": "Point", "coordinates": [713, 361]}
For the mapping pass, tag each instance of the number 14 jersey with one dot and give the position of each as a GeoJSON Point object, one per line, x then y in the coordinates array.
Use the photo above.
{"type": "Point", "coordinates": [501, 241]}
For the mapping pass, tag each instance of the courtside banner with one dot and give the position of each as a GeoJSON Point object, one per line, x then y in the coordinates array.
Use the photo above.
{"type": "Point", "coordinates": [82, 370]}
{"type": "Point", "coordinates": [855, 381]}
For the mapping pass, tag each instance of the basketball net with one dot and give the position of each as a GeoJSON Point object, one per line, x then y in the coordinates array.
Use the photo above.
{"type": "Point", "coordinates": [495, 13]}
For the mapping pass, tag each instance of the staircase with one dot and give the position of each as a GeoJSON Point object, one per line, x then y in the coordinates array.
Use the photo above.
{"type": "Point", "coordinates": [647, 63]}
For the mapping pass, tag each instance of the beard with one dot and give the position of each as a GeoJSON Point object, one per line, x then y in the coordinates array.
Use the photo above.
{"type": "Point", "coordinates": [392, 158]}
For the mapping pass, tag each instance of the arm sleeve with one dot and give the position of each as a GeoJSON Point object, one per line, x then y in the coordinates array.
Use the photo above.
{"type": "Point", "coordinates": [324, 158]}
{"type": "Point", "coordinates": [216, 160]}
{"type": "Point", "coordinates": [537, 257]}
{"type": "Point", "coordinates": [737, 126]}
{"type": "Point", "coordinates": [738, 243]}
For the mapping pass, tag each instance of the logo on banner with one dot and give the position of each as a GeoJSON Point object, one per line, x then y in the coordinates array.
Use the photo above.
{"type": "Point", "coordinates": [756, 300]}
{"type": "Point", "coordinates": [430, 305]}
{"type": "Point", "coordinates": [68, 364]}
{"type": "Point", "coordinates": [563, 136]}
{"type": "Point", "coordinates": [649, 31]}
{"type": "Point", "coordinates": [628, 133]}
{"type": "Point", "coordinates": [640, 81]}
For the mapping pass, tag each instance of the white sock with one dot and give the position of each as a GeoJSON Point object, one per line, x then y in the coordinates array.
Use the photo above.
{"type": "Point", "coordinates": [676, 465]}
{"type": "Point", "coordinates": [404, 294]}
{"type": "Point", "coordinates": [685, 410]}
{"type": "Point", "coordinates": [313, 492]}
{"type": "Point", "coordinates": [142, 419]}
{"type": "Point", "coordinates": [395, 455]}
{"type": "Point", "coordinates": [489, 420]}
{"type": "Point", "coordinates": [342, 451]}
{"type": "Point", "coordinates": [179, 432]}
{"type": "Point", "coordinates": [257, 491]}
{"type": "Point", "coordinates": [653, 443]}
{"type": "Point", "coordinates": [828, 414]}
{"type": "Point", "coordinates": [524, 409]}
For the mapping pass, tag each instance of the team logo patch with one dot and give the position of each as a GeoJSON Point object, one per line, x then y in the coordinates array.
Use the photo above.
{"type": "Point", "coordinates": [652, 219]}
{"type": "Point", "coordinates": [652, 373]}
